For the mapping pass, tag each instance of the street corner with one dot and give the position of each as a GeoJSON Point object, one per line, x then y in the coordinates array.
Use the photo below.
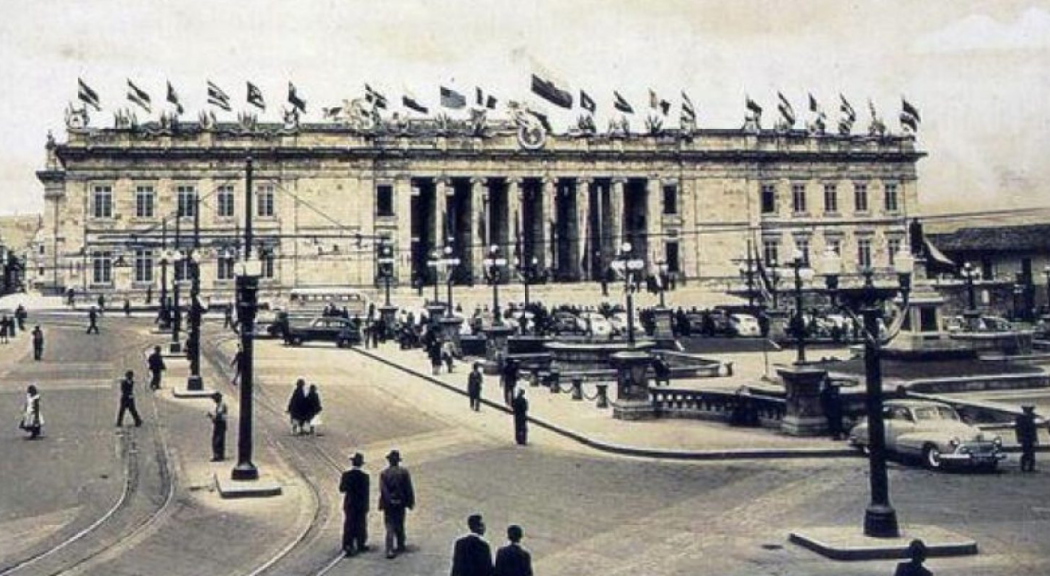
{"type": "Point", "coordinates": [850, 543]}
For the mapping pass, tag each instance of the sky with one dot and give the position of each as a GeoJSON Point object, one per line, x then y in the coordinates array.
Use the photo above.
{"type": "Point", "coordinates": [978, 71]}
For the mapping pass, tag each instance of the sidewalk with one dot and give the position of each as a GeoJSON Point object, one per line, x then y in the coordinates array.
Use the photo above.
{"type": "Point", "coordinates": [594, 427]}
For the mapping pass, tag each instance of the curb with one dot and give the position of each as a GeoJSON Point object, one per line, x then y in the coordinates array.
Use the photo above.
{"type": "Point", "coordinates": [624, 450]}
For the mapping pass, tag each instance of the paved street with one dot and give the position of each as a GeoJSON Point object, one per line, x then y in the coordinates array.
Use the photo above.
{"type": "Point", "coordinates": [584, 512]}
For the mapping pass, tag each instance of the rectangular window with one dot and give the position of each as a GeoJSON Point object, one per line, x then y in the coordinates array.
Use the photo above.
{"type": "Point", "coordinates": [224, 201]}
{"type": "Point", "coordinates": [771, 252]}
{"type": "Point", "coordinates": [384, 200]}
{"type": "Point", "coordinates": [891, 198]}
{"type": "Point", "coordinates": [769, 199]}
{"type": "Point", "coordinates": [802, 245]}
{"type": "Point", "coordinates": [670, 199]}
{"type": "Point", "coordinates": [101, 267]}
{"type": "Point", "coordinates": [267, 265]}
{"type": "Point", "coordinates": [225, 269]}
{"type": "Point", "coordinates": [186, 195]}
{"type": "Point", "coordinates": [145, 198]}
{"type": "Point", "coordinates": [893, 245]}
{"type": "Point", "coordinates": [835, 244]}
{"type": "Point", "coordinates": [798, 198]}
{"type": "Point", "coordinates": [144, 266]}
{"type": "Point", "coordinates": [671, 257]}
{"type": "Point", "coordinates": [102, 201]}
{"type": "Point", "coordinates": [182, 270]}
{"type": "Point", "coordinates": [264, 200]}
{"type": "Point", "coordinates": [860, 197]}
{"type": "Point", "coordinates": [864, 252]}
{"type": "Point", "coordinates": [831, 198]}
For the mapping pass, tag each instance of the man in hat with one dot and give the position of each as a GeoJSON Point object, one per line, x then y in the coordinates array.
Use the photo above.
{"type": "Point", "coordinates": [395, 497]}
{"type": "Point", "coordinates": [218, 428]}
{"type": "Point", "coordinates": [512, 559]}
{"type": "Point", "coordinates": [474, 387]}
{"type": "Point", "coordinates": [127, 399]}
{"type": "Point", "coordinates": [520, 407]}
{"type": "Point", "coordinates": [38, 343]}
{"type": "Point", "coordinates": [471, 555]}
{"type": "Point", "coordinates": [92, 321]}
{"type": "Point", "coordinates": [1027, 437]}
{"type": "Point", "coordinates": [155, 363]}
{"type": "Point", "coordinates": [354, 486]}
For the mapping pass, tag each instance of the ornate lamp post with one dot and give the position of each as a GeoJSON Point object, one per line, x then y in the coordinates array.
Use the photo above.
{"type": "Point", "coordinates": [802, 272]}
{"type": "Point", "coordinates": [494, 264]}
{"type": "Point", "coordinates": [164, 273]}
{"type": "Point", "coordinates": [629, 267]}
{"type": "Point", "coordinates": [530, 274]}
{"type": "Point", "coordinates": [971, 313]}
{"type": "Point", "coordinates": [434, 261]}
{"type": "Point", "coordinates": [386, 266]}
{"type": "Point", "coordinates": [175, 257]}
{"type": "Point", "coordinates": [880, 519]}
{"type": "Point", "coordinates": [194, 381]}
{"type": "Point", "coordinates": [450, 262]}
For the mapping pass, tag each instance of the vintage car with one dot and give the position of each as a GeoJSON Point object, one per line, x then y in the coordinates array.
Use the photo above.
{"type": "Point", "coordinates": [323, 329]}
{"type": "Point", "coordinates": [933, 432]}
{"type": "Point", "coordinates": [593, 323]}
{"type": "Point", "coordinates": [744, 325]}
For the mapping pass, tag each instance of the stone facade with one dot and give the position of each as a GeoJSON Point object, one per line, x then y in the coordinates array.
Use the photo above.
{"type": "Point", "coordinates": [324, 194]}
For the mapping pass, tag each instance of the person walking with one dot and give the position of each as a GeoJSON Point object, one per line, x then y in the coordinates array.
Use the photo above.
{"type": "Point", "coordinates": [396, 496]}
{"type": "Point", "coordinates": [434, 353]}
{"type": "Point", "coordinates": [101, 303]}
{"type": "Point", "coordinates": [127, 307]}
{"type": "Point", "coordinates": [474, 382]}
{"type": "Point", "coordinates": [92, 321]}
{"type": "Point", "coordinates": [354, 486]}
{"type": "Point", "coordinates": [21, 316]}
{"type": "Point", "coordinates": [312, 409]}
{"type": "Point", "coordinates": [71, 298]}
{"type": "Point", "coordinates": [510, 380]}
{"type": "Point", "coordinates": [512, 559]}
{"type": "Point", "coordinates": [447, 355]}
{"type": "Point", "coordinates": [155, 363]}
{"type": "Point", "coordinates": [5, 324]}
{"type": "Point", "coordinates": [218, 428]}
{"type": "Point", "coordinates": [127, 400]}
{"type": "Point", "coordinates": [227, 317]}
{"type": "Point", "coordinates": [1027, 437]}
{"type": "Point", "coordinates": [471, 554]}
{"type": "Point", "coordinates": [38, 343]}
{"type": "Point", "coordinates": [297, 407]}
{"type": "Point", "coordinates": [914, 567]}
{"type": "Point", "coordinates": [831, 402]}
{"type": "Point", "coordinates": [32, 421]}
{"type": "Point", "coordinates": [520, 406]}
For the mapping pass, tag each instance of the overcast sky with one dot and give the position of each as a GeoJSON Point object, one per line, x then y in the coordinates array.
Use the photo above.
{"type": "Point", "coordinates": [979, 72]}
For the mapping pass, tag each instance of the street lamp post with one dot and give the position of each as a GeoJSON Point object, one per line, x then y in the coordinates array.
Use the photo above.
{"type": "Point", "coordinates": [661, 269]}
{"type": "Point", "coordinates": [386, 265]}
{"type": "Point", "coordinates": [880, 519]}
{"type": "Point", "coordinates": [629, 267]}
{"type": "Point", "coordinates": [195, 382]}
{"type": "Point", "coordinates": [802, 272]}
{"type": "Point", "coordinates": [971, 313]}
{"type": "Point", "coordinates": [176, 256]}
{"type": "Point", "coordinates": [434, 262]}
{"type": "Point", "coordinates": [247, 302]}
{"type": "Point", "coordinates": [494, 263]}
{"type": "Point", "coordinates": [747, 270]}
{"type": "Point", "coordinates": [164, 272]}
{"type": "Point", "coordinates": [529, 274]}
{"type": "Point", "coordinates": [450, 262]}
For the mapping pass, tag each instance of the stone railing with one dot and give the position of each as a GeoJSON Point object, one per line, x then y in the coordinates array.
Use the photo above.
{"type": "Point", "coordinates": [743, 409]}
{"type": "Point", "coordinates": [684, 365]}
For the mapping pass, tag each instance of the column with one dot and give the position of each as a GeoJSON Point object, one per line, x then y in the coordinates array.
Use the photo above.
{"type": "Point", "coordinates": [480, 226]}
{"type": "Point", "coordinates": [616, 231]}
{"type": "Point", "coordinates": [403, 192]}
{"type": "Point", "coordinates": [442, 188]}
{"type": "Point", "coordinates": [585, 237]}
{"type": "Point", "coordinates": [514, 215]}
{"type": "Point", "coordinates": [654, 242]}
{"type": "Point", "coordinates": [548, 220]}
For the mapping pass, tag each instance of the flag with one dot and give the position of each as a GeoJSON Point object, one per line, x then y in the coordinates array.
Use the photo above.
{"type": "Point", "coordinates": [813, 107]}
{"type": "Point", "coordinates": [688, 111]}
{"type": "Point", "coordinates": [332, 113]}
{"type": "Point", "coordinates": [452, 99]}
{"type": "Point", "coordinates": [294, 99]}
{"type": "Point", "coordinates": [88, 96]}
{"type": "Point", "coordinates": [910, 110]}
{"type": "Point", "coordinates": [847, 109]}
{"type": "Point", "coordinates": [543, 120]}
{"type": "Point", "coordinates": [217, 97]}
{"type": "Point", "coordinates": [255, 97]}
{"type": "Point", "coordinates": [484, 100]}
{"type": "Point", "coordinates": [173, 97]}
{"type": "Point", "coordinates": [909, 121]}
{"type": "Point", "coordinates": [753, 106]}
{"type": "Point", "coordinates": [138, 96]}
{"type": "Point", "coordinates": [621, 103]}
{"type": "Point", "coordinates": [411, 103]}
{"type": "Point", "coordinates": [550, 92]}
{"type": "Point", "coordinates": [376, 99]}
{"type": "Point", "coordinates": [786, 110]}
{"type": "Point", "coordinates": [657, 104]}
{"type": "Point", "coordinates": [586, 102]}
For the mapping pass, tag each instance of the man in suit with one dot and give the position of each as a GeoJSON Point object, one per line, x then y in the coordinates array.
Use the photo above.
{"type": "Point", "coordinates": [395, 497]}
{"type": "Point", "coordinates": [512, 559]}
{"type": "Point", "coordinates": [471, 555]}
{"type": "Point", "coordinates": [354, 486]}
{"type": "Point", "coordinates": [520, 407]}
{"type": "Point", "coordinates": [474, 382]}
{"type": "Point", "coordinates": [127, 399]}
{"type": "Point", "coordinates": [156, 366]}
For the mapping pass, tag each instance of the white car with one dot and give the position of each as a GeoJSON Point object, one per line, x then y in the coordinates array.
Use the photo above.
{"type": "Point", "coordinates": [618, 321]}
{"type": "Point", "coordinates": [744, 325]}
{"type": "Point", "coordinates": [594, 323]}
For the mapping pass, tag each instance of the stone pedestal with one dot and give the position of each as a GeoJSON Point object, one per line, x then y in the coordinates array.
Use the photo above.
{"type": "Point", "coordinates": [632, 388]}
{"type": "Point", "coordinates": [388, 314]}
{"type": "Point", "coordinates": [803, 413]}
{"type": "Point", "coordinates": [450, 326]}
{"type": "Point", "coordinates": [663, 331]}
{"type": "Point", "coordinates": [496, 347]}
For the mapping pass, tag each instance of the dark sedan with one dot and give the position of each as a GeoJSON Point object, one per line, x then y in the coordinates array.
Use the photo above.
{"type": "Point", "coordinates": [341, 331]}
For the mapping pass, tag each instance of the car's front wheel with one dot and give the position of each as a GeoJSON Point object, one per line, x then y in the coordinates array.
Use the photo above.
{"type": "Point", "coordinates": [931, 456]}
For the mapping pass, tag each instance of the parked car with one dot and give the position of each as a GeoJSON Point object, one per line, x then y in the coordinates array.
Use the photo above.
{"type": "Point", "coordinates": [563, 322]}
{"type": "Point", "coordinates": [594, 323]}
{"type": "Point", "coordinates": [933, 432]}
{"type": "Point", "coordinates": [995, 324]}
{"type": "Point", "coordinates": [335, 329]}
{"type": "Point", "coordinates": [618, 322]}
{"type": "Point", "coordinates": [744, 325]}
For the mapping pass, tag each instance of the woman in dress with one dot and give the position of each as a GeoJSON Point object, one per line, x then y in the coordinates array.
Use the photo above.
{"type": "Point", "coordinates": [312, 409]}
{"type": "Point", "coordinates": [297, 407]}
{"type": "Point", "coordinates": [32, 422]}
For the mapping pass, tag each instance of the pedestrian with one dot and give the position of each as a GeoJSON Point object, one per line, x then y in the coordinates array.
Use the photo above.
{"type": "Point", "coordinates": [510, 380]}
{"type": "Point", "coordinates": [218, 428]}
{"type": "Point", "coordinates": [5, 323]}
{"type": "Point", "coordinates": [101, 303]}
{"type": "Point", "coordinates": [367, 333]}
{"type": "Point", "coordinates": [227, 317]}
{"type": "Point", "coordinates": [471, 554]}
{"type": "Point", "coordinates": [155, 363]}
{"type": "Point", "coordinates": [127, 400]}
{"type": "Point", "coordinates": [434, 353]}
{"type": "Point", "coordinates": [661, 371]}
{"type": "Point", "coordinates": [71, 297]}
{"type": "Point", "coordinates": [354, 486]}
{"type": "Point", "coordinates": [312, 409]}
{"type": "Point", "coordinates": [395, 497]}
{"type": "Point", "coordinates": [236, 365]}
{"type": "Point", "coordinates": [127, 307]}
{"type": "Point", "coordinates": [831, 402]}
{"type": "Point", "coordinates": [378, 329]}
{"type": "Point", "coordinates": [1027, 437]}
{"type": "Point", "coordinates": [32, 422]}
{"type": "Point", "coordinates": [914, 567]}
{"type": "Point", "coordinates": [38, 343]}
{"type": "Point", "coordinates": [474, 382]}
{"type": "Point", "coordinates": [447, 355]}
{"type": "Point", "coordinates": [21, 316]}
{"type": "Point", "coordinates": [513, 559]}
{"type": "Point", "coordinates": [149, 294]}
{"type": "Point", "coordinates": [92, 321]}
{"type": "Point", "coordinates": [297, 407]}
{"type": "Point", "coordinates": [520, 407]}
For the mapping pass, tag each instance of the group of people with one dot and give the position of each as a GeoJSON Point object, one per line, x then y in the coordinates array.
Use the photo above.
{"type": "Point", "coordinates": [304, 408]}
{"type": "Point", "coordinates": [396, 497]}
{"type": "Point", "coordinates": [513, 396]}
{"type": "Point", "coordinates": [472, 555]}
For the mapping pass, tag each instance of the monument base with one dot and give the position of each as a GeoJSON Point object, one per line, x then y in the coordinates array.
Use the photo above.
{"type": "Point", "coordinates": [633, 410]}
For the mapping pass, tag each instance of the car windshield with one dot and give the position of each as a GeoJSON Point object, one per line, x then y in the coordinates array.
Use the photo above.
{"type": "Point", "coordinates": [935, 413]}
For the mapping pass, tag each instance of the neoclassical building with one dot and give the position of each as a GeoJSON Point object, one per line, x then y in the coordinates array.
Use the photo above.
{"type": "Point", "coordinates": [324, 194]}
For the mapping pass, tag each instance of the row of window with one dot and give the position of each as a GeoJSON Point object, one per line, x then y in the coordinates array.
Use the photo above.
{"type": "Point", "coordinates": [771, 250]}
{"type": "Point", "coordinates": [799, 199]}
{"type": "Point", "coordinates": [146, 261]}
{"type": "Point", "coordinates": [186, 196]}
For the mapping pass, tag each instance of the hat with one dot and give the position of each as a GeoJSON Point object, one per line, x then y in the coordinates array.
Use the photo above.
{"type": "Point", "coordinates": [394, 456]}
{"type": "Point", "coordinates": [357, 459]}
